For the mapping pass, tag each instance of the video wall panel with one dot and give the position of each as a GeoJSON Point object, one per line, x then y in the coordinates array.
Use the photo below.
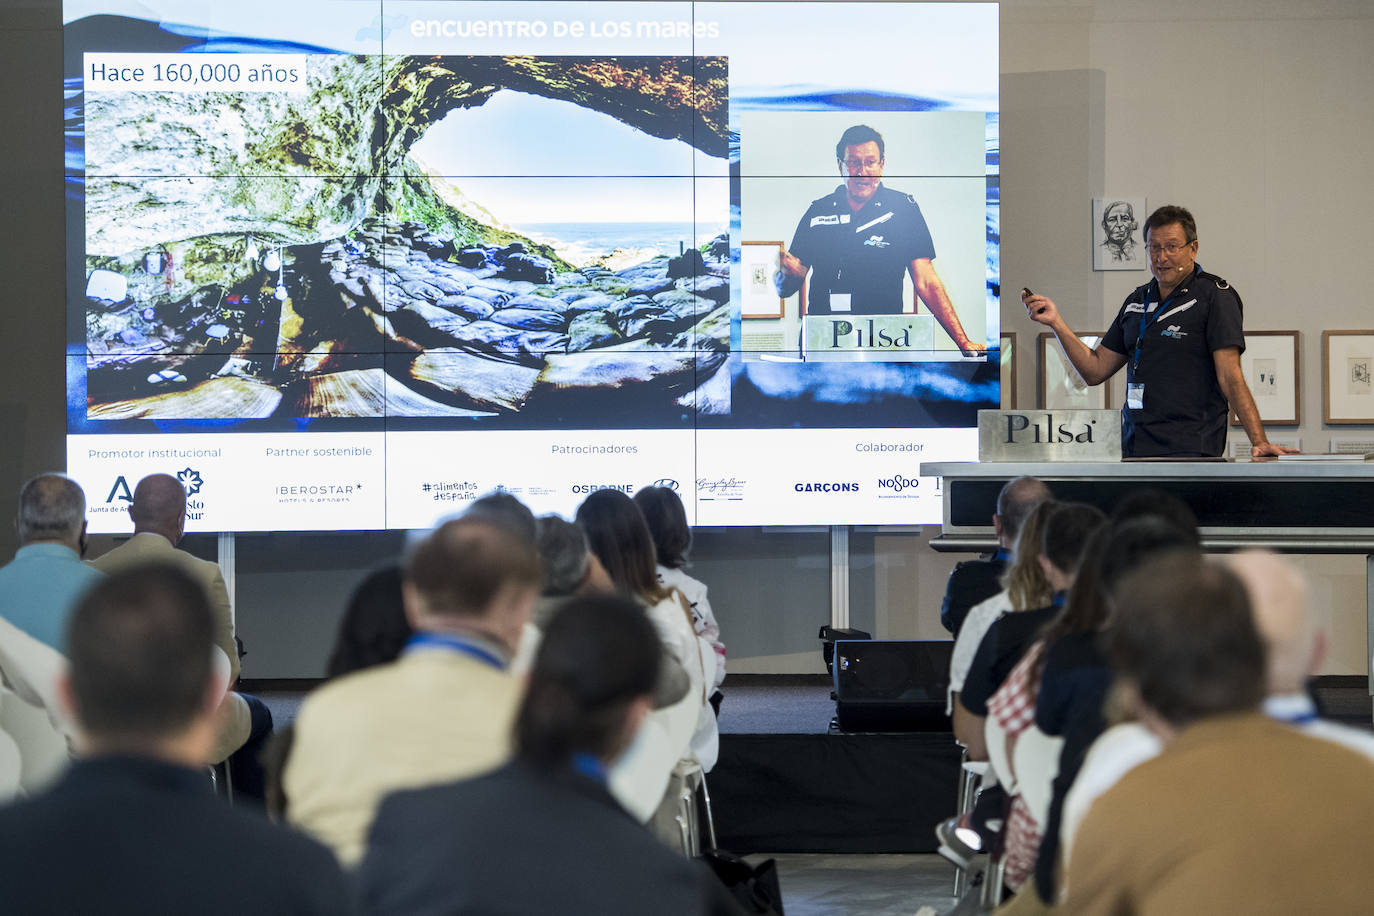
{"type": "Point", "coordinates": [348, 266]}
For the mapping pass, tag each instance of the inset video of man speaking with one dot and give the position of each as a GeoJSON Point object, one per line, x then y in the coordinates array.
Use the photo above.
{"type": "Point", "coordinates": [859, 242]}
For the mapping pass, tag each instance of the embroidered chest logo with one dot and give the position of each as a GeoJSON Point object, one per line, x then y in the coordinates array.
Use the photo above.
{"type": "Point", "coordinates": [876, 241]}
{"type": "Point", "coordinates": [1173, 331]}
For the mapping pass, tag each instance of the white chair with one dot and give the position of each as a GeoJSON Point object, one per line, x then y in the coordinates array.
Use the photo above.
{"type": "Point", "coordinates": [43, 751]}
{"type": "Point", "coordinates": [31, 669]}
{"type": "Point", "coordinates": [1036, 761]}
{"type": "Point", "coordinates": [971, 777]}
{"type": "Point", "coordinates": [10, 766]}
{"type": "Point", "coordinates": [687, 778]}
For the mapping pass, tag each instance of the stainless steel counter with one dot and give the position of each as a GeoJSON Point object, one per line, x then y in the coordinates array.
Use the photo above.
{"type": "Point", "coordinates": [1288, 506]}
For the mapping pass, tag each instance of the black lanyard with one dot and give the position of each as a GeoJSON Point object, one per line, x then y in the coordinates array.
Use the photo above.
{"type": "Point", "coordinates": [1146, 319]}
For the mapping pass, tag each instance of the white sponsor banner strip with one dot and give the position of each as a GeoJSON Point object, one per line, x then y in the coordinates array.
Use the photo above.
{"type": "Point", "coordinates": [836, 476]}
{"type": "Point", "coordinates": [239, 481]}
{"type": "Point", "coordinates": [434, 474]}
{"type": "Point", "coordinates": [372, 480]}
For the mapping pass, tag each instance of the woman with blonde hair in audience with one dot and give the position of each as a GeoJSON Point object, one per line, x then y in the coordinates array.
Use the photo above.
{"type": "Point", "coordinates": [1024, 588]}
{"type": "Point", "coordinates": [1011, 708]}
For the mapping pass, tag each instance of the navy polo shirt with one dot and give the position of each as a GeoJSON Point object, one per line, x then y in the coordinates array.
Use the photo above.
{"type": "Point", "coordinates": [865, 254]}
{"type": "Point", "coordinates": [1184, 411]}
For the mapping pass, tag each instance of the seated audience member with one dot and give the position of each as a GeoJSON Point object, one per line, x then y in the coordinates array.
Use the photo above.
{"type": "Point", "coordinates": [1239, 813]}
{"type": "Point", "coordinates": [542, 834]}
{"type": "Point", "coordinates": [374, 628]}
{"type": "Point", "coordinates": [158, 511]}
{"type": "Point", "coordinates": [134, 827]}
{"type": "Point", "coordinates": [1010, 707]}
{"type": "Point", "coordinates": [620, 538]}
{"type": "Point", "coordinates": [974, 581]}
{"type": "Point", "coordinates": [441, 711]}
{"type": "Point", "coordinates": [667, 519]}
{"type": "Point", "coordinates": [373, 631]}
{"type": "Point", "coordinates": [568, 568]}
{"type": "Point", "coordinates": [1148, 502]}
{"type": "Point", "coordinates": [571, 570]}
{"type": "Point", "coordinates": [1074, 674]}
{"type": "Point", "coordinates": [1067, 530]}
{"type": "Point", "coordinates": [1281, 604]}
{"type": "Point", "coordinates": [1025, 588]}
{"type": "Point", "coordinates": [501, 509]}
{"type": "Point", "coordinates": [39, 588]}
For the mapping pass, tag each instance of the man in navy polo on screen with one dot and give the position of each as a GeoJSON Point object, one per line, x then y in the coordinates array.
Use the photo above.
{"type": "Point", "coordinates": [1180, 338]}
{"type": "Point", "coordinates": [861, 241]}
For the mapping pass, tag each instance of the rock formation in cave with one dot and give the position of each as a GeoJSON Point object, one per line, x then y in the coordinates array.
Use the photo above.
{"type": "Point", "coordinates": [283, 253]}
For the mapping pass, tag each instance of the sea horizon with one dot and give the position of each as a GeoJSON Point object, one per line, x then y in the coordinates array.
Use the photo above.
{"type": "Point", "coordinates": [582, 243]}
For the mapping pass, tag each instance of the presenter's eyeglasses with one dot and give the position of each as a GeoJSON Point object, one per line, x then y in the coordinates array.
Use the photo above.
{"type": "Point", "coordinates": [857, 165]}
{"type": "Point", "coordinates": [1170, 248]}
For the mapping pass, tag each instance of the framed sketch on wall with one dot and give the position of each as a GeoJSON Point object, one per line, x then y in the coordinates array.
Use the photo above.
{"type": "Point", "coordinates": [1116, 233]}
{"type": "Point", "coordinates": [1347, 390]}
{"type": "Point", "coordinates": [1271, 369]}
{"type": "Point", "coordinates": [1060, 384]}
{"type": "Point", "coordinates": [1008, 349]}
{"type": "Point", "coordinates": [758, 264]}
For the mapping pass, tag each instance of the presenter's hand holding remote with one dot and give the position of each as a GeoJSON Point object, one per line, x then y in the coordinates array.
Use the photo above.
{"type": "Point", "coordinates": [1041, 309]}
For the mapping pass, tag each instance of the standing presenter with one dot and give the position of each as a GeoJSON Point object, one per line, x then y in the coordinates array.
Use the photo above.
{"type": "Point", "coordinates": [859, 243]}
{"type": "Point", "coordinates": [1180, 338]}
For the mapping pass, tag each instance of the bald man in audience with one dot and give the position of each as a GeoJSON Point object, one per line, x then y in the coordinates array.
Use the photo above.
{"type": "Point", "coordinates": [442, 711]}
{"type": "Point", "coordinates": [158, 511]}
{"type": "Point", "coordinates": [133, 827]}
{"type": "Point", "coordinates": [41, 585]}
{"type": "Point", "coordinates": [974, 582]}
{"type": "Point", "coordinates": [1240, 812]}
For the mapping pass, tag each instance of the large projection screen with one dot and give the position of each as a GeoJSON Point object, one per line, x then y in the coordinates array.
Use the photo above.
{"type": "Point", "coordinates": [350, 265]}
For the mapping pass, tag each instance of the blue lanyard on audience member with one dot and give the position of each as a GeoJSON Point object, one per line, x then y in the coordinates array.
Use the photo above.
{"type": "Point", "coordinates": [1058, 599]}
{"type": "Point", "coordinates": [589, 765]}
{"type": "Point", "coordinates": [455, 644]}
{"type": "Point", "coordinates": [1147, 319]}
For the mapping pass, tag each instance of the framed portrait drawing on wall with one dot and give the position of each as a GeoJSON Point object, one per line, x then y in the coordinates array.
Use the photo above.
{"type": "Point", "coordinates": [1008, 356]}
{"type": "Point", "coordinates": [1117, 244]}
{"type": "Point", "coordinates": [758, 262]}
{"type": "Point", "coordinates": [1060, 384]}
{"type": "Point", "coordinates": [1347, 390]}
{"type": "Point", "coordinates": [1271, 368]}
